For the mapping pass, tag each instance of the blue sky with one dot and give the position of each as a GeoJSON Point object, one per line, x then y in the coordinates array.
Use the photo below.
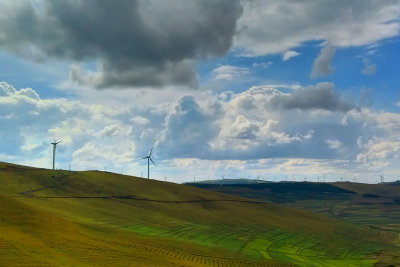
{"type": "Point", "coordinates": [220, 89]}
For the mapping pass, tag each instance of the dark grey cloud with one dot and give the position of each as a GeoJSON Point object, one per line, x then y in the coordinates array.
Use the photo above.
{"type": "Point", "coordinates": [320, 96]}
{"type": "Point", "coordinates": [136, 43]}
{"type": "Point", "coordinates": [323, 63]}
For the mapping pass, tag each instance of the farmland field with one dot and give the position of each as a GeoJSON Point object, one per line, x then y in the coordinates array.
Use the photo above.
{"type": "Point", "coordinates": [104, 219]}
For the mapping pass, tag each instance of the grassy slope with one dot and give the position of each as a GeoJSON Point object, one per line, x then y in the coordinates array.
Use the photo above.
{"type": "Point", "coordinates": [96, 218]}
{"type": "Point", "coordinates": [373, 205]}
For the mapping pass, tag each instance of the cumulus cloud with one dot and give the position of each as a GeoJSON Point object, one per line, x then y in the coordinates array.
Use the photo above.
{"type": "Point", "coordinates": [290, 54]}
{"type": "Point", "coordinates": [135, 43]}
{"type": "Point", "coordinates": [28, 123]}
{"type": "Point", "coordinates": [322, 63]}
{"type": "Point", "coordinates": [268, 128]}
{"type": "Point", "coordinates": [229, 73]}
{"type": "Point", "coordinates": [269, 26]}
{"type": "Point", "coordinates": [369, 68]}
{"type": "Point", "coordinates": [266, 122]}
{"type": "Point", "coordinates": [188, 130]}
{"type": "Point", "coordinates": [6, 89]}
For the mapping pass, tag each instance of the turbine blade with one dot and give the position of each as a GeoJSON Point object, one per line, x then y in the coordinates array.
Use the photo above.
{"type": "Point", "coordinates": [144, 158]}
{"type": "Point", "coordinates": [151, 151]}
{"type": "Point", "coordinates": [153, 162]}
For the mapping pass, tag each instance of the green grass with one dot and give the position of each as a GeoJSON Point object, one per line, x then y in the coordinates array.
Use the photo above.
{"type": "Point", "coordinates": [369, 205]}
{"type": "Point", "coordinates": [97, 218]}
{"type": "Point", "coordinates": [272, 244]}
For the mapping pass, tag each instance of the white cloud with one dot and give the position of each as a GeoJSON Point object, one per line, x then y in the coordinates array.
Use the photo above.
{"type": "Point", "coordinates": [112, 131]}
{"type": "Point", "coordinates": [378, 149]}
{"type": "Point", "coordinates": [6, 89]}
{"type": "Point", "coordinates": [290, 54]}
{"type": "Point", "coordinates": [262, 65]}
{"type": "Point", "coordinates": [369, 68]}
{"type": "Point", "coordinates": [334, 144]}
{"type": "Point", "coordinates": [229, 73]}
{"type": "Point", "coordinates": [268, 26]}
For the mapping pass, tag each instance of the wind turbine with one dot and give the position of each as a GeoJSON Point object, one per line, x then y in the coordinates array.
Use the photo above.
{"type": "Point", "coordinates": [148, 157]}
{"type": "Point", "coordinates": [382, 178]}
{"type": "Point", "coordinates": [55, 143]}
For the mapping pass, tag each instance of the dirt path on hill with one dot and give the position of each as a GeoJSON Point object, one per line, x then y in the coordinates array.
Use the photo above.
{"type": "Point", "coordinates": [145, 199]}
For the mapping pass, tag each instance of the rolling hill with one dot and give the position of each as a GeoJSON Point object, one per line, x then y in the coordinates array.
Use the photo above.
{"type": "Point", "coordinates": [55, 218]}
{"type": "Point", "coordinates": [371, 205]}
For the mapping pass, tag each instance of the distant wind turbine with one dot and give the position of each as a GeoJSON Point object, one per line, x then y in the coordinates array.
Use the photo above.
{"type": "Point", "coordinates": [55, 143]}
{"type": "Point", "coordinates": [148, 157]}
{"type": "Point", "coordinates": [382, 178]}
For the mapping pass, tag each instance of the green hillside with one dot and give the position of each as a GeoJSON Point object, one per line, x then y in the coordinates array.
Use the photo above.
{"type": "Point", "coordinates": [369, 205]}
{"type": "Point", "coordinates": [104, 219]}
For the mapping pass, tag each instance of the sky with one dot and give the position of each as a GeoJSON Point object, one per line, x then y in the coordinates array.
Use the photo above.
{"type": "Point", "coordinates": [260, 89]}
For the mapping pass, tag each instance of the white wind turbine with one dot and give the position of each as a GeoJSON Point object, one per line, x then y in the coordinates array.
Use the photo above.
{"type": "Point", "coordinates": [148, 157]}
{"type": "Point", "coordinates": [55, 143]}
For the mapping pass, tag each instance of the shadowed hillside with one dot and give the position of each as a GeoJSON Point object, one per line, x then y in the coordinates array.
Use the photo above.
{"type": "Point", "coordinates": [372, 205]}
{"type": "Point", "coordinates": [96, 218]}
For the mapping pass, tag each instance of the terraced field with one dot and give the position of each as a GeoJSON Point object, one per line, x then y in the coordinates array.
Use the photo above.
{"type": "Point", "coordinates": [104, 219]}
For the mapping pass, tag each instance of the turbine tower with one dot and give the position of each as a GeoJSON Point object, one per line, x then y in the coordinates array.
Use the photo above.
{"type": "Point", "coordinates": [148, 157]}
{"type": "Point", "coordinates": [55, 143]}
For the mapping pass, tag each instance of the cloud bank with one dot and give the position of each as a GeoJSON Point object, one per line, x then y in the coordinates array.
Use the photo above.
{"type": "Point", "coordinates": [265, 124]}
{"type": "Point", "coordinates": [137, 43]}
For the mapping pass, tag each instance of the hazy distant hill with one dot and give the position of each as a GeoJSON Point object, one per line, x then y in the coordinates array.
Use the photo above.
{"type": "Point", "coordinates": [231, 181]}
{"type": "Point", "coordinates": [103, 219]}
